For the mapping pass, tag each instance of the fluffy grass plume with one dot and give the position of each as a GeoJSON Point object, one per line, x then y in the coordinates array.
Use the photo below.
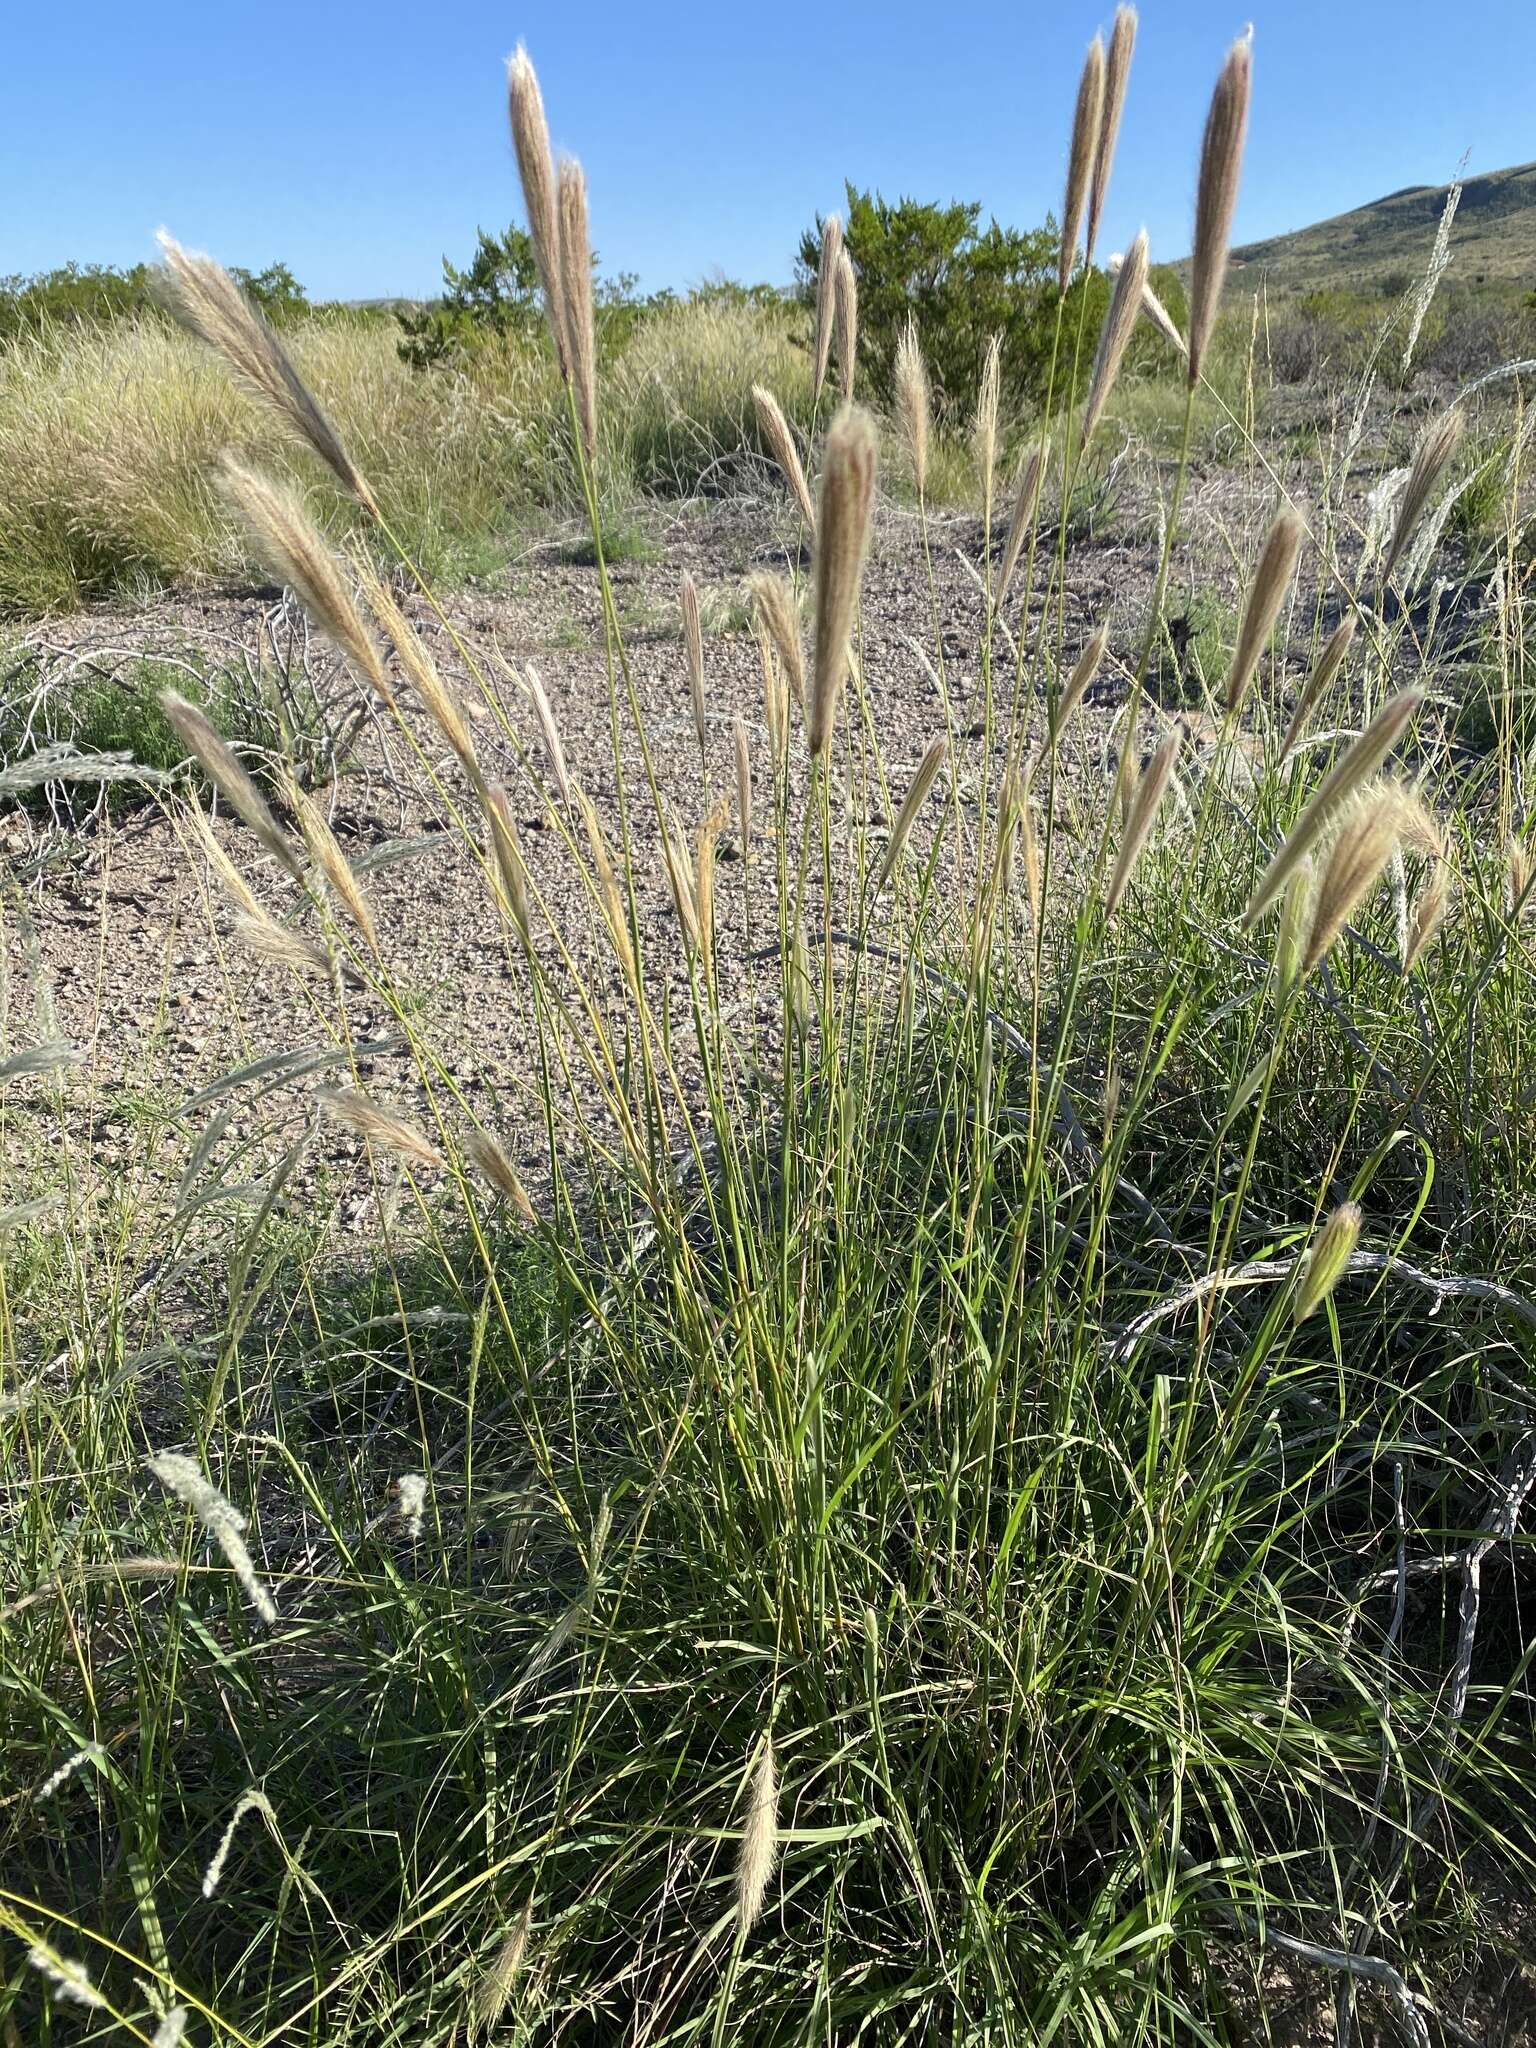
{"type": "Point", "coordinates": [184, 1477]}
{"type": "Point", "coordinates": [1327, 1260]}
{"type": "Point", "coordinates": [207, 299]}
{"type": "Point", "coordinates": [490, 1161]}
{"type": "Point", "coordinates": [1119, 325]}
{"type": "Point", "coordinates": [1086, 667]}
{"type": "Point", "coordinates": [1350, 772]}
{"type": "Point", "coordinates": [911, 804]}
{"type": "Point", "coordinates": [1221, 164]}
{"type": "Point", "coordinates": [576, 300]}
{"type": "Point", "coordinates": [842, 541]}
{"type": "Point", "coordinates": [71, 1980]}
{"type": "Point", "coordinates": [1437, 445]}
{"type": "Point", "coordinates": [549, 730]}
{"type": "Point", "coordinates": [1117, 77]}
{"type": "Point", "coordinates": [1318, 684]}
{"type": "Point", "coordinates": [781, 445]}
{"type": "Point", "coordinates": [1151, 788]}
{"type": "Point", "coordinates": [415, 658]}
{"type": "Point", "coordinates": [743, 750]}
{"type": "Point", "coordinates": [1026, 506]}
{"type": "Point", "coordinates": [325, 851]}
{"type": "Point", "coordinates": [774, 602]}
{"type": "Point", "coordinates": [1266, 593]}
{"type": "Point", "coordinates": [500, 1980]}
{"type": "Point", "coordinates": [914, 404]}
{"type": "Point", "coordinates": [288, 544]}
{"type": "Point", "coordinates": [1154, 308]}
{"type": "Point", "coordinates": [847, 326]}
{"type": "Point", "coordinates": [507, 858]}
{"type": "Point", "coordinates": [693, 648]}
{"type": "Point", "coordinates": [381, 1127]}
{"type": "Point", "coordinates": [759, 1838]}
{"type": "Point", "coordinates": [826, 296]}
{"type": "Point", "coordinates": [1362, 846]}
{"type": "Point", "coordinates": [196, 733]}
{"type": "Point", "coordinates": [262, 935]}
{"type": "Point", "coordinates": [1427, 914]}
{"type": "Point", "coordinates": [984, 427]}
{"type": "Point", "coordinates": [536, 169]}
{"type": "Point", "coordinates": [1087, 119]}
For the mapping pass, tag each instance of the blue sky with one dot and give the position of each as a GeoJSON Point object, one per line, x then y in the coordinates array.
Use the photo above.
{"type": "Point", "coordinates": [359, 143]}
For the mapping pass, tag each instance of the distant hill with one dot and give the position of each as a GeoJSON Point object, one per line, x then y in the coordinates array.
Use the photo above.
{"type": "Point", "coordinates": [1387, 244]}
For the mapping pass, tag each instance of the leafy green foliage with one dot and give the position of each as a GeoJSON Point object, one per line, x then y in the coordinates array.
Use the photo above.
{"type": "Point", "coordinates": [96, 293]}
{"type": "Point", "coordinates": [962, 284]}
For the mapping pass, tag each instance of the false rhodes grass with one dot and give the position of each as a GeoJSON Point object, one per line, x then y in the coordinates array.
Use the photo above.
{"type": "Point", "coordinates": [979, 1493]}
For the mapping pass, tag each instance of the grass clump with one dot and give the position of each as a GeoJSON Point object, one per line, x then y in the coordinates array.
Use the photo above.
{"type": "Point", "coordinates": [963, 1482]}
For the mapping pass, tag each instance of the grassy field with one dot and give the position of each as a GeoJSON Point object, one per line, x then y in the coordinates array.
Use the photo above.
{"type": "Point", "coordinates": [975, 1489]}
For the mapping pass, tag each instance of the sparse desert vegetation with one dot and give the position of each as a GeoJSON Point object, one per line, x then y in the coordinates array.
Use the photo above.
{"type": "Point", "coordinates": [768, 1269]}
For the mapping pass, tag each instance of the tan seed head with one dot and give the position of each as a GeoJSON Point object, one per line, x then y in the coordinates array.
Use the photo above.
{"type": "Point", "coordinates": [1440, 440]}
{"type": "Point", "coordinates": [847, 325]}
{"type": "Point", "coordinates": [1087, 119]}
{"type": "Point", "coordinates": [1221, 163]}
{"type": "Point", "coordinates": [197, 735]}
{"type": "Point", "coordinates": [1317, 685]}
{"type": "Point", "coordinates": [774, 429]}
{"type": "Point", "coordinates": [826, 294]}
{"type": "Point", "coordinates": [1362, 846]}
{"type": "Point", "coordinates": [1150, 791]}
{"type": "Point", "coordinates": [536, 168]}
{"type": "Point", "coordinates": [776, 608]}
{"type": "Point", "coordinates": [1266, 593]}
{"type": "Point", "coordinates": [381, 1127]}
{"type": "Point", "coordinates": [842, 541]}
{"type": "Point", "coordinates": [576, 300]}
{"type": "Point", "coordinates": [206, 298]}
{"type": "Point", "coordinates": [693, 648]}
{"type": "Point", "coordinates": [911, 804]}
{"type": "Point", "coordinates": [914, 405]}
{"type": "Point", "coordinates": [1125, 306]}
{"type": "Point", "coordinates": [1088, 664]}
{"type": "Point", "coordinates": [1026, 506]}
{"type": "Point", "coordinates": [759, 1839]}
{"type": "Point", "coordinates": [1117, 76]}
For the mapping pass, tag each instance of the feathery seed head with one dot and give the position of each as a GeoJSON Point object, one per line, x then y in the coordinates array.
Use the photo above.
{"type": "Point", "coordinates": [1326, 1261]}
{"type": "Point", "coordinates": [288, 544]}
{"type": "Point", "coordinates": [183, 1476]}
{"type": "Point", "coordinates": [544, 712]}
{"type": "Point", "coordinates": [326, 853]}
{"type": "Point", "coordinates": [1318, 683]}
{"type": "Point", "coordinates": [1271, 580]}
{"type": "Point", "coordinates": [826, 295]}
{"type": "Point", "coordinates": [1221, 163]}
{"type": "Point", "coordinates": [280, 944]}
{"type": "Point", "coordinates": [414, 656]}
{"type": "Point", "coordinates": [535, 167]}
{"type": "Point", "coordinates": [1427, 914]}
{"type": "Point", "coordinates": [911, 804]}
{"type": "Point", "coordinates": [500, 1980]}
{"type": "Point", "coordinates": [914, 405]}
{"type": "Point", "coordinates": [774, 429]}
{"type": "Point", "coordinates": [381, 1127]}
{"type": "Point", "coordinates": [776, 609]}
{"type": "Point", "coordinates": [492, 1163]}
{"type": "Point", "coordinates": [1117, 76]}
{"type": "Point", "coordinates": [759, 1839]}
{"type": "Point", "coordinates": [218, 763]}
{"type": "Point", "coordinates": [71, 1980]}
{"type": "Point", "coordinates": [1153, 307]}
{"type": "Point", "coordinates": [1150, 791]}
{"type": "Point", "coordinates": [847, 325]}
{"type": "Point", "coordinates": [1358, 764]}
{"type": "Point", "coordinates": [411, 1502]}
{"type": "Point", "coordinates": [1078, 683]}
{"type": "Point", "coordinates": [576, 300]}
{"type": "Point", "coordinates": [1087, 120]}
{"type": "Point", "coordinates": [1026, 505]}
{"type": "Point", "coordinates": [206, 298]}
{"type": "Point", "coordinates": [984, 430]}
{"type": "Point", "coordinates": [743, 781]}
{"type": "Point", "coordinates": [507, 856]}
{"type": "Point", "coordinates": [1437, 445]}
{"type": "Point", "coordinates": [693, 647]}
{"type": "Point", "coordinates": [1362, 846]}
{"type": "Point", "coordinates": [1290, 940]}
{"type": "Point", "coordinates": [842, 540]}
{"type": "Point", "coordinates": [1119, 324]}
